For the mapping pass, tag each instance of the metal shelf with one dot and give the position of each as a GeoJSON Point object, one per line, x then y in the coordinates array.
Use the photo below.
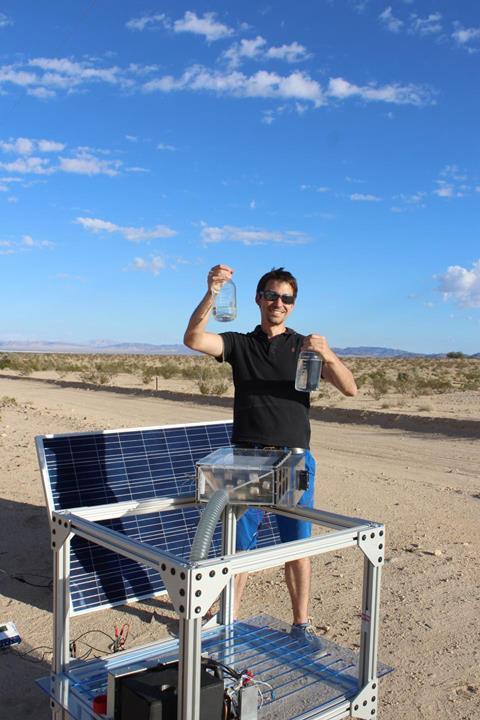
{"type": "Point", "coordinates": [301, 676]}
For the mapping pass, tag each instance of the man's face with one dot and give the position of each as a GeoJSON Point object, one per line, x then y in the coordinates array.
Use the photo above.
{"type": "Point", "coordinates": [275, 312]}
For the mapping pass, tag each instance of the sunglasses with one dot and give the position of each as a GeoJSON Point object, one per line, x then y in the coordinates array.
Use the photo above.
{"type": "Point", "coordinates": [272, 296]}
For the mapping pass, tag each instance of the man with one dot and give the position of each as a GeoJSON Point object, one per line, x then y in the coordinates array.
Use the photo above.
{"type": "Point", "coordinates": [268, 411]}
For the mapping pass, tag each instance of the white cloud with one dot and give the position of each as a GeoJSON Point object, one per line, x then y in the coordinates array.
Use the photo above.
{"type": "Point", "coordinates": [5, 20]}
{"type": "Point", "coordinates": [82, 162]}
{"type": "Point", "coordinates": [453, 182]}
{"type": "Point", "coordinates": [465, 36]}
{"type": "Point", "coordinates": [29, 165]}
{"type": "Point", "coordinates": [364, 197]}
{"type": "Point", "coordinates": [44, 77]}
{"type": "Point", "coordinates": [25, 244]}
{"type": "Point", "coordinates": [315, 188]}
{"type": "Point", "coordinates": [153, 265]}
{"type": "Point", "coordinates": [444, 190]}
{"type": "Point", "coordinates": [28, 242]}
{"type": "Point", "coordinates": [290, 53]}
{"type": "Point", "coordinates": [27, 146]}
{"type": "Point", "coordinates": [87, 164]}
{"type": "Point", "coordinates": [256, 49]}
{"type": "Point", "coordinates": [296, 86]}
{"type": "Point", "coordinates": [252, 236]}
{"type": "Point", "coordinates": [133, 234]}
{"type": "Point", "coordinates": [41, 93]}
{"type": "Point", "coordinates": [429, 25]}
{"type": "Point", "coordinates": [245, 49]}
{"type": "Point", "coordinates": [148, 21]}
{"type": "Point", "coordinates": [412, 198]}
{"type": "Point", "coordinates": [391, 22]}
{"type": "Point", "coordinates": [394, 93]}
{"type": "Point", "coordinates": [165, 146]}
{"type": "Point", "coordinates": [460, 285]}
{"type": "Point", "coordinates": [207, 26]}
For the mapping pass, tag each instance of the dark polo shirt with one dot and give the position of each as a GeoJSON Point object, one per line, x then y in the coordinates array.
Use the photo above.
{"type": "Point", "coordinates": [267, 409]}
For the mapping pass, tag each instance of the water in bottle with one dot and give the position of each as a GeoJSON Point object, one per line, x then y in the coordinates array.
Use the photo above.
{"type": "Point", "coordinates": [225, 302]}
{"type": "Point", "coordinates": [309, 368]}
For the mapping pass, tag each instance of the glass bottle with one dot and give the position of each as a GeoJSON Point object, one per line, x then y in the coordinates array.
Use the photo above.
{"type": "Point", "coordinates": [225, 302]}
{"type": "Point", "coordinates": [309, 368]}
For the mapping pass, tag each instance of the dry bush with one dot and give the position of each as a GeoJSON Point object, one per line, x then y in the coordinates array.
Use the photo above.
{"type": "Point", "coordinates": [95, 376]}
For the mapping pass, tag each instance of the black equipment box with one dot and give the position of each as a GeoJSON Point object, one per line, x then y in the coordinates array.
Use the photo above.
{"type": "Point", "coordinates": [152, 695]}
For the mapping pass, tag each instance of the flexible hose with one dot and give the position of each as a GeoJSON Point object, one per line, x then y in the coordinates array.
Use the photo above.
{"type": "Point", "coordinates": [206, 527]}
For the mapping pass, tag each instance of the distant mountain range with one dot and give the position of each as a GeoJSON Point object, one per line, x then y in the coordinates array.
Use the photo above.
{"type": "Point", "coordinates": [109, 347]}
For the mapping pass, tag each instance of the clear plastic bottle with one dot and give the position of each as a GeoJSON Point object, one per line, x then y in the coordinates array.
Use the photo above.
{"type": "Point", "coordinates": [309, 368]}
{"type": "Point", "coordinates": [225, 302]}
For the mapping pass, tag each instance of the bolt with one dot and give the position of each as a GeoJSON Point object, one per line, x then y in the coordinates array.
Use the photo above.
{"type": "Point", "coordinates": [364, 537]}
{"type": "Point", "coordinates": [163, 566]}
{"type": "Point", "coordinates": [372, 535]}
{"type": "Point", "coordinates": [225, 571]}
{"type": "Point", "coordinates": [212, 573]}
{"type": "Point", "coordinates": [182, 575]}
{"type": "Point", "coordinates": [198, 609]}
{"type": "Point", "coordinates": [181, 608]}
{"type": "Point", "coordinates": [173, 571]}
{"type": "Point", "coordinates": [182, 592]}
{"type": "Point", "coordinates": [380, 559]}
{"type": "Point", "coordinates": [198, 593]}
{"type": "Point", "coordinates": [198, 576]}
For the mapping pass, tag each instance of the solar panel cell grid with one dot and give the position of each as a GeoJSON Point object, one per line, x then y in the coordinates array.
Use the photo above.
{"type": "Point", "coordinates": [102, 468]}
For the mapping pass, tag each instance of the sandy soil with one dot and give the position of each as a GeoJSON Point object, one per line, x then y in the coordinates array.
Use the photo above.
{"type": "Point", "coordinates": [422, 482]}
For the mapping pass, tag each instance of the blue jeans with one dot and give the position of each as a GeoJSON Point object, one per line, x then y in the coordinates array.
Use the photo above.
{"type": "Point", "coordinates": [249, 524]}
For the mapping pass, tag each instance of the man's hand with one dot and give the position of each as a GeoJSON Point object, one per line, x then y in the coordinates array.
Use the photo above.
{"type": "Point", "coordinates": [217, 276]}
{"type": "Point", "coordinates": [319, 344]}
{"type": "Point", "coordinates": [334, 371]}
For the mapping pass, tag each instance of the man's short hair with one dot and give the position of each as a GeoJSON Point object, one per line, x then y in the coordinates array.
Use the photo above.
{"type": "Point", "coordinates": [281, 275]}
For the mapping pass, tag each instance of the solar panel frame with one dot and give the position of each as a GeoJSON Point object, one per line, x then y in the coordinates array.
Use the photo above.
{"type": "Point", "coordinates": [71, 466]}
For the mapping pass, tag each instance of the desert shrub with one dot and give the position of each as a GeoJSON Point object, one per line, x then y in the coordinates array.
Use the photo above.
{"type": "Point", "coordinates": [6, 401]}
{"type": "Point", "coordinates": [379, 382]}
{"type": "Point", "coordinates": [361, 379]}
{"type": "Point", "coordinates": [426, 386]}
{"type": "Point", "coordinates": [455, 355]}
{"type": "Point", "coordinates": [147, 374]}
{"type": "Point", "coordinates": [402, 383]}
{"type": "Point", "coordinates": [4, 362]}
{"type": "Point", "coordinates": [95, 375]}
{"type": "Point", "coordinates": [212, 386]}
{"type": "Point", "coordinates": [167, 370]}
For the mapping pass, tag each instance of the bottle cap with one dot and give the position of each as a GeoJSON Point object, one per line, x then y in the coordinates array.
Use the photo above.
{"type": "Point", "coordinates": [99, 704]}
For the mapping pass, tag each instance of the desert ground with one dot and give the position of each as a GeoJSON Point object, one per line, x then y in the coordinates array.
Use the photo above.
{"type": "Point", "coordinates": [411, 462]}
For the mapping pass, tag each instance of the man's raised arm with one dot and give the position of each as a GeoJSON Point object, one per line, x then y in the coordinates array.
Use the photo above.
{"type": "Point", "coordinates": [196, 336]}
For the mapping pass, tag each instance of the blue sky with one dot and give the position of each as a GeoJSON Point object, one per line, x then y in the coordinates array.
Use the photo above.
{"type": "Point", "coordinates": [141, 143]}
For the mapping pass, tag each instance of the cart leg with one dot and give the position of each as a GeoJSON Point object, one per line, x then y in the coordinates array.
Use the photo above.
{"type": "Point", "coordinates": [190, 648]}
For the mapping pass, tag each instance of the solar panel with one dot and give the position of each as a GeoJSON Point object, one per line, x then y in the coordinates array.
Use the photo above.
{"type": "Point", "coordinates": [91, 469]}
